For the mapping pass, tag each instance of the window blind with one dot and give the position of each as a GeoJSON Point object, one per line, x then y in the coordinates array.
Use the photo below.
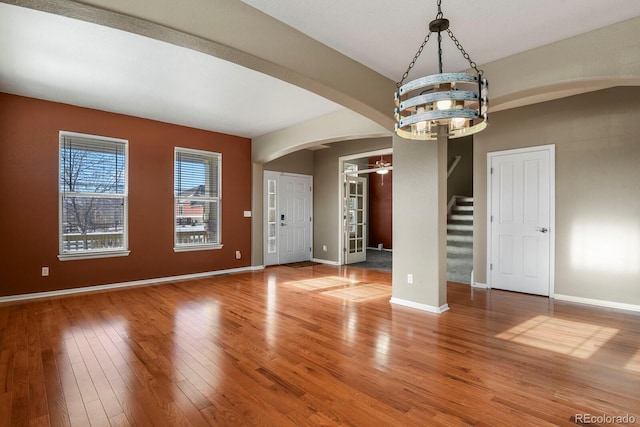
{"type": "Point", "coordinates": [197, 198]}
{"type": "Point", "coordinates": [93, 193]}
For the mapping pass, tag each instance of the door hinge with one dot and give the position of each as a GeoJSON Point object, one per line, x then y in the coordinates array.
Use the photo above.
{"type": "Point", "coordinates": [490, 266]}
{"type": "Point", "coordinates": [491, 218]}
{"type": "Point", "coordinates": [492, 170]}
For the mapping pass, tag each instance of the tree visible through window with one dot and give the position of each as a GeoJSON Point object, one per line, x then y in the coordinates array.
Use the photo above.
{"type": "Point", "coordinates": [197, 199]}
{"type": "Point", "coordinates": [93, 195]}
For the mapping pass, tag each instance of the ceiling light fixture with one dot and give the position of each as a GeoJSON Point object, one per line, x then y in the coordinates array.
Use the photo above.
{"type": "Point", "coordinates": [457, 100]}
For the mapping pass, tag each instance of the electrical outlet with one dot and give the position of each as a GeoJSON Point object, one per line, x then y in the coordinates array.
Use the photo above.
{"type": "Point", "coordinates": [410, 279]}
{"type": "Point", "coordinates": [45, 271]}
{"type": "Point", "coordinates": [238, 255]}
{"type": "Point", "coordinates": [324, 248]}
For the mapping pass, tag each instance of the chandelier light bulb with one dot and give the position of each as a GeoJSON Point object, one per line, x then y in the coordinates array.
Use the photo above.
{"type": "Point", "coordinates": [444, 104]}
{"type": "Point", "coordinates": [458, 122]}
{"type": "Point", "coordinates": [421, 127]}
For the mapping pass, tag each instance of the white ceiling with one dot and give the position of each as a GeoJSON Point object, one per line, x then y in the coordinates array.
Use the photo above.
{"type": "Point", "coordinates": [384, 35]}
{"type": "Point", "coordinates": [60, 59]}
{"type": "Point", "coordinates": [65, 60]}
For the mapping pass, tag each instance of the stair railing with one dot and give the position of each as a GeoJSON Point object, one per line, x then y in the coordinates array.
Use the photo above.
{"type": "Point", "coordinates": [456, 160]}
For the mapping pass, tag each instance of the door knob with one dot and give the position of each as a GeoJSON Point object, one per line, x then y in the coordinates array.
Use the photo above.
{"type": "Point", "coordinates": [542, 229]}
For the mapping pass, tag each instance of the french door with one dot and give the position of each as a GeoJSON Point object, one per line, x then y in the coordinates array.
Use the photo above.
{"type": "Point", "coordinates": [355, 219]}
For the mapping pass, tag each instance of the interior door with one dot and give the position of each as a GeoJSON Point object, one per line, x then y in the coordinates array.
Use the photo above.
{"type": "Point", "coordinates": [294, 218]}
{"type": "Point", "coordinates": [520, 221]}
{"type": "Point", "coordinates": [355, 219]}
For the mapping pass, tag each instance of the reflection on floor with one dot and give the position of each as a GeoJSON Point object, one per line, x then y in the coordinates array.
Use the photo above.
{"type": "Point", "coordinates": [321, 282]}
{"type": "Point", "coordinates": [361, 293]}
{"type": "Point", "coordinates": [376, 260]}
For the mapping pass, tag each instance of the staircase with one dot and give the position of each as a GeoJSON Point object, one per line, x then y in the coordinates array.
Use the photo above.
{"type": "Point", "coordinates": [460, 241]}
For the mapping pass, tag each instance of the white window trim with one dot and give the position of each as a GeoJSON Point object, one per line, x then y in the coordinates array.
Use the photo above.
{"type": "Point", "coordinates": [202, 247]}
{"type": "Point", "coordinates": [197, 248]}
{"type": "Point", "coordinates": [80, 255]}
{"type": "Point", "coordinates": [92, 255]}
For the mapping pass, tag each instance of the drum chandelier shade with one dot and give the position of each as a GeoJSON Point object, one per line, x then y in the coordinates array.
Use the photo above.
{"type": "Point", "coordinates": [457, 100]}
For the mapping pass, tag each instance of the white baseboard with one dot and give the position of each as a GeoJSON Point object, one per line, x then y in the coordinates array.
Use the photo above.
{"type": "Point", "coordinates": [479, 285]}
{"type": "Point", "coordinates": [383, 249]}
{"type": "Point", "coordinates": [145, 282]}
{"type": "Point", "coordinates": [325, 261]}
{"type": "Point", "coordinates": [419, 306]}
{"type": "Point", "coordinates": [599, 302]}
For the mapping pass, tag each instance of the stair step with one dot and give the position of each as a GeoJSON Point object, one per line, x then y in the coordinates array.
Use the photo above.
{"type": "Point", "coordinates": [460, 250]}
{"type": "Point", "coordinates": [460, 262]}
{"type": "Point", "coordinates": [460, 243]}
{"type": "Point", "coordinates": [457, 217]}
{"type": "Point", "coordinates": [460, 239]}
{"type": "Point", "coordinates": [460, 227]}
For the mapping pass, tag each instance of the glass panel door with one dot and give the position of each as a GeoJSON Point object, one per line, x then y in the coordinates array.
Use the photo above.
{"type": "Point", "coordinates": [355, 227]}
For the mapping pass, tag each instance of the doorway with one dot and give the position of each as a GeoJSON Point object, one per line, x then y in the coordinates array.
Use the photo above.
{"type": "Point", "coordinates": [521, 220]}
{"type": "Point", "coordinates": [354, 179]}
{"type": "Point", "coordinates": [288, 217]}
{"type": "Point", "coordinates": [355, 223]}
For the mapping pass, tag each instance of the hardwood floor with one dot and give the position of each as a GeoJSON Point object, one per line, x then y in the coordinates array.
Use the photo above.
{"type": "Point", "coordinates": [281, 348]}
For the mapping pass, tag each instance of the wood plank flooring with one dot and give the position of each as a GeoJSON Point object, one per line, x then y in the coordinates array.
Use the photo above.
{"type": "Point", "coordinates": [280, 347]}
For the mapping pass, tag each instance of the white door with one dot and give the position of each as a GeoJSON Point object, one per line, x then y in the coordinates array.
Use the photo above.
{"type": "Point", "coordinates": [520, 209]}
{"type": "Point", "coordinates": [355, 219]}
{"type": "Point", "coordinates": [294, 218]}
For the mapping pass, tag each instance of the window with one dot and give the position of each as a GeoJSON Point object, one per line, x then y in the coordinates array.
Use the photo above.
{"type": "Point", "coordinates": [93, 196]}
{"type": "Point", "coordinates": [197, 199]}
{"type": "Point", "coordinates": [352, 168]}
{"type": "Point", "coordinates": [272, 223]}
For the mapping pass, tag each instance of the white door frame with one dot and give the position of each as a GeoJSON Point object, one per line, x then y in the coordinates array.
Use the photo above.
{"type": "Point", "coordinates": [275, 258]}
{"type": "Point", "coordinates": [551, 148]}
{"type": "Point", "coordinates": [361, 255]}
{"type": "Point", "coordinates": [341, 176]}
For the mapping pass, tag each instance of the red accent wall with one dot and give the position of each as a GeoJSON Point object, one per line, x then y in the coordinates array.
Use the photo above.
{"type": "Point", "coordinates": [380, 230]}
{"type": "Point", "coordinates": [29, 131]}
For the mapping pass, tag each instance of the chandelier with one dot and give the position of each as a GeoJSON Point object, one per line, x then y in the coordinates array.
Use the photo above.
{"type": "Point", "coordinates": [457, 100]}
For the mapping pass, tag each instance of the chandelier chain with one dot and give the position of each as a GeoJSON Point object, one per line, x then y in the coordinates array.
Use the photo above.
{"type": "Point", "coordinates": [415, 58]}
{"type": "Point", "coordinates": [440, 14]}
{"type": "Point", "coordinates": [466, 56]}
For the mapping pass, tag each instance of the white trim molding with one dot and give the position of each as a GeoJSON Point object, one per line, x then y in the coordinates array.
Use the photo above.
{"type": "Point", "coordinates": [325, 261]}
{"type": "Point", "coordinates": [419, 306]}
{"type": "Point", "coordinates": [479, 285]}
{"type": "Point", "coordinates": [62, 292]}
{"type": "Point", "coordinates": [598, 302]}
